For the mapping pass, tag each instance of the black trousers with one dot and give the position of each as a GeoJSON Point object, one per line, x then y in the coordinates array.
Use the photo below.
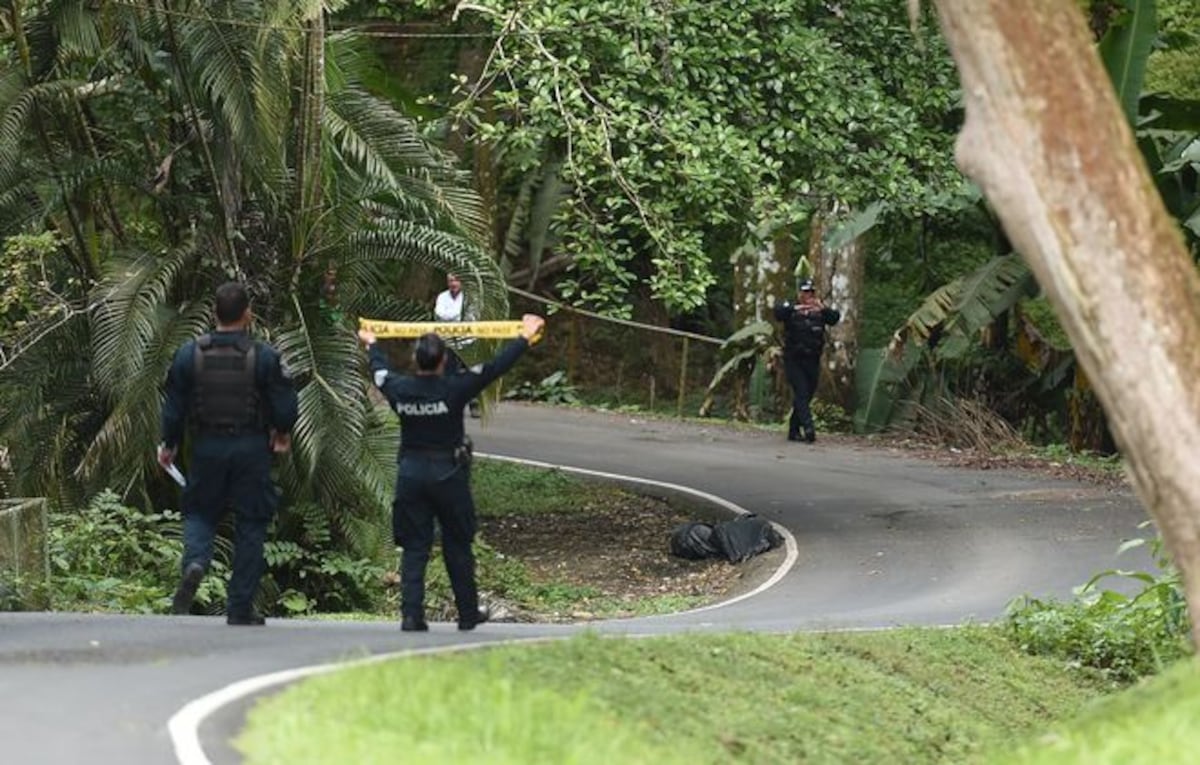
{"type": "Point", "coordinates": [430, 488]}
{"type": "Point", "coordinates": [230, 471]}
{"type": "Point", "coordinates": [803, 371]}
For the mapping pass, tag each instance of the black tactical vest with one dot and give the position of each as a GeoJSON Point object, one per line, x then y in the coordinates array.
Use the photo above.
{"type": "Point", "coordinates": [226, 399]}
{"type": "Point", "coordinates": [805, 333]}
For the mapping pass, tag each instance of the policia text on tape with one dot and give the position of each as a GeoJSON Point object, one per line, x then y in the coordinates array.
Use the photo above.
{"type": "Point", "coordinates": [487, 330]}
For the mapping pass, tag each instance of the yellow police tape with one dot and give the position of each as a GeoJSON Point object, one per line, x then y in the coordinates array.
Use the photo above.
{"type": "Point", "coordinates": [487, 330]}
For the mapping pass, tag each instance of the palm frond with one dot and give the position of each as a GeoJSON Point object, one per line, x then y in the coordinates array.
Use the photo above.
{"type": "Point", "coordinates": [75, 23]}
{"type": "Point", "coordinates": [403, 241]}
{"type": "Point", "coordinates": [335, 451]}
{"type": "Point", "coordinates": [129, 324]}
{"type": "Point", "coordinates": [121, 447]}
{"type": "Point", "coordinates": [21, 200]}
{"type": "Point", "coordinates": [20, 103]}
{"type": "Point", "coordinates": [369, 134]}
{"type": "Point", "coordinates": [47, 409]}
{"type": "Point", "coordinates": [221, 57]}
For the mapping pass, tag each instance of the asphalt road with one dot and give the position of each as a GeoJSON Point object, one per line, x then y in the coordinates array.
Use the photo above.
{"type": "Point", "coordinates": [882, 540]}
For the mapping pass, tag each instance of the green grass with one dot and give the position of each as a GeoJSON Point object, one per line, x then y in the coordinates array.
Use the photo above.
{"type": "Point", "coordinates": [1151, 723]}
{"type": "Point", "coordinates": [907, 696]}
{"type": "Point", "coordinates": [503, 488]}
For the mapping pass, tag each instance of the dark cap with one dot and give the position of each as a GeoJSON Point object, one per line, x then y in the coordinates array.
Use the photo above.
{"type": "Point", "coordinates": [805, 285]}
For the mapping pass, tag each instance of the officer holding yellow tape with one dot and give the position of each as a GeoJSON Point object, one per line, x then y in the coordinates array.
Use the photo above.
{"type": "Point", "coordinates": [433, 480]}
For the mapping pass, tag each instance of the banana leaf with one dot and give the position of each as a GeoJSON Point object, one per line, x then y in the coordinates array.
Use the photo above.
{"type": "Point", "coordinates": [857, 224]}
{"type": "Point", "coordinates": [984, 294]}
{"type": "Point", "coordinates": [758, 331]}
{"type": "Point", "coordinates": [1125, 49]}
{"type": "Point", "coordinates": [879, 378]}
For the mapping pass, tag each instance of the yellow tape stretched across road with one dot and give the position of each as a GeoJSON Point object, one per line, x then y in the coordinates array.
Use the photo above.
{"type": "Point", "coordinates": [488, 330]}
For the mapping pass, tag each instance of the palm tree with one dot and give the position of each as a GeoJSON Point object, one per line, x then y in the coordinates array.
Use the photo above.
{"type": "Point", "coordinates": [192, 145]}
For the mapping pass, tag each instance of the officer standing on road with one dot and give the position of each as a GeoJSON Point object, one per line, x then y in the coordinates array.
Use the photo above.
{"type": "Point", "coordinates": [237, 400]}
{"type": "Point", "coordinates": [433, 479]}
{"type": "Point", "coordinates": [804, 325]}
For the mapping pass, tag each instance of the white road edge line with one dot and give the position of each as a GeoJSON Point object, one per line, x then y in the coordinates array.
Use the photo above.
{"type": "Point", "coordinates": [184, 725]}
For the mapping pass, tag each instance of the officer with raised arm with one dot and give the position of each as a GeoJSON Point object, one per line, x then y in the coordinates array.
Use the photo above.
{"type": "Point", "coordinates": [804, 324]}
{"type": "Point", "coordinates": [236, 399]}
{"type": "Point", "coordinates": [433, 480]}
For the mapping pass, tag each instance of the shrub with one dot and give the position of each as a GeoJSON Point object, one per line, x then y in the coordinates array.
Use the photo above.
{"type": "Point", "coordinates": [1123, 636]}
{"type": "Point", "coordinates": [111, 557]}
{"type": "Point", "coordinates": [553, 389]}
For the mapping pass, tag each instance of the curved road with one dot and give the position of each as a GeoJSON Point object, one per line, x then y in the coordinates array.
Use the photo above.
{"type": "Point", "coordinates": [883, 540]}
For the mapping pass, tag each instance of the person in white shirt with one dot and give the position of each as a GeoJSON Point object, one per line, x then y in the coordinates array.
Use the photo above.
{"type": "Point", "coordinates": [451, 305]}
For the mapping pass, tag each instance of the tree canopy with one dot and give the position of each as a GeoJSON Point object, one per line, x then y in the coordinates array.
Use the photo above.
{"type": "Point", "coordinates": [675, 128]}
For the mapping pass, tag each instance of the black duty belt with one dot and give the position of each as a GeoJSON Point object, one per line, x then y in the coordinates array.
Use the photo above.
{"type": "Point", "coordinates": [230, 430]}
{"type": "Point", "coordinates": [423, 451]}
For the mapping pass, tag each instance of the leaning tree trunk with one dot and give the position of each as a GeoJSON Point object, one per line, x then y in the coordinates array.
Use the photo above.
{"type": "Point", "coordinates": [1049, 145]}
{"type": "Point", "coordinates": [840, 272]}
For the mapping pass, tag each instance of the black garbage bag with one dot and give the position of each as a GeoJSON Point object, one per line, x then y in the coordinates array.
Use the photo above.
{"type": "Point", "coordinates": [744, 537]}
{"type": "Point", "coordinates": [693, 541]}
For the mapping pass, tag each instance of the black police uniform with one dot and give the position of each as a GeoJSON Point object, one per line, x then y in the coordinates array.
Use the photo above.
{"type": "Point", "coordinates": [228, 391]}
{"type": "Point", "coordinates": [433, 480]}
{"type": "Point", "coordinates": [803, 342]}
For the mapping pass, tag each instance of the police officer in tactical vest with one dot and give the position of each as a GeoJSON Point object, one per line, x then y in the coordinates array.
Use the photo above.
{"type": "Point", "coordinates": [236, 399]}
{"type": "Point", "coordinates": [804, 325]}
{"type": "Point", "coordinates": [433, 480]}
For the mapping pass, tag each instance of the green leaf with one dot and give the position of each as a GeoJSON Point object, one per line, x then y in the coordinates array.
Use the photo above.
{"type": "Point", "coordinates": [878, 378]}
{"type": "Point", "coordinates": [549, 197]}
{"type": "Point", "coordinates": [989, 291]}
{"type": "Point", "coordinates": [859, 223]}
{"type": "Point", "coordinates": [1169, 112]}
{"type": "Point", "coordinates": [1193, 223]}
{"type": "Point", "coordinates": [1125, 49]}
{"type": "Point", "coordinates": [757, 330]}
{"type": "Point", "coordinates": [734, 362]}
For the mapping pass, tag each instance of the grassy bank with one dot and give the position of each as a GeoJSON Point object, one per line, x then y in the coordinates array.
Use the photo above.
{"type": "Point", "coordinates": [1151, 723]}
{"type": "Point", "coordinates": [911, 696]}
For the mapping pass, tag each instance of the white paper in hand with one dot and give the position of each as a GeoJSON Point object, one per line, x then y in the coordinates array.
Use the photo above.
{"type": "Point", "coordinates": [176, 475]}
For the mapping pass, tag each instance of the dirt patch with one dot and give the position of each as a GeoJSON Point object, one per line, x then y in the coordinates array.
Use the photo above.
{"type": "Point", "coordinates": [976, 459]}
{"type": "Point", "coordinates": [615, 555]}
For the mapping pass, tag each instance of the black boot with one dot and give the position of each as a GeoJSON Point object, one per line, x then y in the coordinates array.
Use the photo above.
{"type": "Point", "coordinates": [181, 604]}
{"type": "Point", "coordinates": [248, 619]}
{"type": "Point", "coordinates": [413, 624]}
{"type": "Point", "coordinates": [810, 435]}
{"type": "Point", "coordinates": [479, 617]}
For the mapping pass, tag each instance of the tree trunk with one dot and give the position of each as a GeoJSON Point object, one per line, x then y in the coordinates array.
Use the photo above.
{"type": "Point", "coordinates": [1048, 143]}
{"type": "Point", "coordinates": [762, 276]}
{"type": "Point", "coordinates": [839, 280]}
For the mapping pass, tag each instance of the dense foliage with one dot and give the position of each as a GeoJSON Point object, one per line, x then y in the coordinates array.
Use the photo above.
{"type": "Point", "coordinates": [675, 128]}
